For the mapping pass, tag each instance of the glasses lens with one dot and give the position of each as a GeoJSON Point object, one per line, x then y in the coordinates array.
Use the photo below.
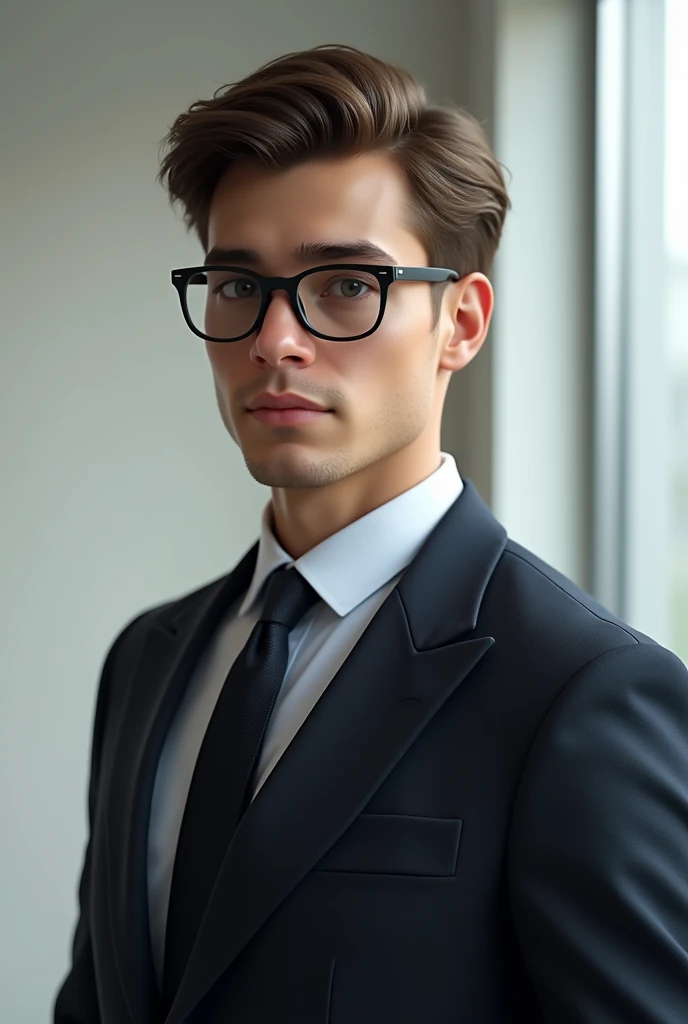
{"type": "Point", "coordinates": [340, 303]}
{"type": "Point", "coordinates": [223, 304]}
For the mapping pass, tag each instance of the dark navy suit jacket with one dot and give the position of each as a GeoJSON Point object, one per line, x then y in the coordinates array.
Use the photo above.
{"type": "Point", "coordinates": [483, 820]}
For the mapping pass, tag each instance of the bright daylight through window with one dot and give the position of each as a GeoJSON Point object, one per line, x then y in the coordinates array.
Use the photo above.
{"type": "Point", "coordinates": [676, 247]}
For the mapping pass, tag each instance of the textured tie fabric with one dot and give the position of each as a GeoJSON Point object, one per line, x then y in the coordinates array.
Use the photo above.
{"type": "Point", "coordinates": [223, 778]}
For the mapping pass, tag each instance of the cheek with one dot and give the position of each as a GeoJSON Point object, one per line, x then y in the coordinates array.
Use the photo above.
{"type": "Point", "coordinates": [230, 384]}
{"type": "Point", "coordinates": [386, 375]}
{"type": "Point", "coordinates": [398, 353]}
{"type": "Point", "coordinates": [226, 363]}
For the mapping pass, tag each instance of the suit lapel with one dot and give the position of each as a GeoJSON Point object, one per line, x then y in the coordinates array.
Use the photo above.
{"type": "Point", "coordinates": [405, 666]}
{"type": "Point", "coordinates": [156, 685]}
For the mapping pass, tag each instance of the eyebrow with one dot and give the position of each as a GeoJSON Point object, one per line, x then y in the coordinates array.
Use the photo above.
{"type": "Point", "coordinates": [307, 252]}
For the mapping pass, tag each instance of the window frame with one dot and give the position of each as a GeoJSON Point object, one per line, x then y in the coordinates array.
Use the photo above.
{"type": "Point", "coordinates": [631, 493]}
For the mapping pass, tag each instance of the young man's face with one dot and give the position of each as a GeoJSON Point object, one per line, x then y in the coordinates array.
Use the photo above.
{"type": "Point", "coordinates": [383, 393]}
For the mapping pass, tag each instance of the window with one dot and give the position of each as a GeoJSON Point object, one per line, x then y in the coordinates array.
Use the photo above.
{"type": "Point", "coordinates": [676, 249]}
{"type": "Point", "coordinates": [641, 372]}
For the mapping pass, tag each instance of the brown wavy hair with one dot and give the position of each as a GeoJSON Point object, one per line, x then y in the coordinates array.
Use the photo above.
{"type": "Point", "coordinates": [335, 102]}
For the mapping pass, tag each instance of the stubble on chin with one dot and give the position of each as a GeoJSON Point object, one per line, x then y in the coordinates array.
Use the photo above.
{"type": "Point", "coordinates": [292, 472]}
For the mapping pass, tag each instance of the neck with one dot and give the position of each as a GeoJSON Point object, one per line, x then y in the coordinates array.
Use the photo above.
{"type": "Point", "coordinates": [304, 518]}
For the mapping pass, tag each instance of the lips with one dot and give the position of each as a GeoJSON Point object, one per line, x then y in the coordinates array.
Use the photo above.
{"type": "Point", "coordinates": [284, 401]}
{"type": "Point", "coordinates": [285, 410]}
{"type": "Point", "coordinates": [288, 417]}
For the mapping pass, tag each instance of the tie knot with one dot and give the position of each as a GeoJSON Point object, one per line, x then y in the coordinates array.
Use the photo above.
{"type": "Point", "coordinates": [288, 598]}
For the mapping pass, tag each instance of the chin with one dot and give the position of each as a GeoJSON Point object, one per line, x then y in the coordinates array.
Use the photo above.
{"type": "Point", "coordinates": [296, 469]}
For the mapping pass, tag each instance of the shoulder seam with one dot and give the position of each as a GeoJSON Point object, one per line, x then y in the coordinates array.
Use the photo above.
{"type": "Point", "coordinates": [514, 554]}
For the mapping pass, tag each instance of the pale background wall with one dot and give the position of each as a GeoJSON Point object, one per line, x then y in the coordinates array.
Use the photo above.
{"type": "Point", "coordinates": [543, 342]}
{"type": "Point", "coordinates": [119, 486]}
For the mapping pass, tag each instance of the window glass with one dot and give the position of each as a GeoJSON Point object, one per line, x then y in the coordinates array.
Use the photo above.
{"type": "Point", "coordinates": [676, 248]}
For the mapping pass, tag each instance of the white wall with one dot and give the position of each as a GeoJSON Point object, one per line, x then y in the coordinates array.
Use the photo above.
{"type": "Point", "coordinates": [120, 486]}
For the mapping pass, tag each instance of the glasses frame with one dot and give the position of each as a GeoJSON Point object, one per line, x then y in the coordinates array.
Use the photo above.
{"type": "Point", "coordinates": [386, 275]}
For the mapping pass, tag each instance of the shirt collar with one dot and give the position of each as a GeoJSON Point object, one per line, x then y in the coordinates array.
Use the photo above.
{"type": "Point", "coordinates": [353, 563]}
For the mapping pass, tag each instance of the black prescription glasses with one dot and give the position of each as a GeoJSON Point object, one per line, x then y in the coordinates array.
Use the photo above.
{"type": "Point", "coordinates": [338, 302]}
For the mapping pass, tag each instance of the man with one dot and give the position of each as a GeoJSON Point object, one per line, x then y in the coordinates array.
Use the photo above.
{"type": "Point", "coordinates": [392, 767]}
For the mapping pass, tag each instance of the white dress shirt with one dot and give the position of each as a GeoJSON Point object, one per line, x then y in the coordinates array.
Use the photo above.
{"type": "Point", "coordinates": [353, 571]}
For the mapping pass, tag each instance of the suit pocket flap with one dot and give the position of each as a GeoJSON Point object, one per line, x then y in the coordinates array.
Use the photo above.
{"type": "Point", "coordinates": [396, 844]}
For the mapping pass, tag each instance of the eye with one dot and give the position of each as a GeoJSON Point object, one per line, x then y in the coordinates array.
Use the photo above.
{"type": "Point", "coordinates": [237, 288]}
{"type": "Point", "coordinates": [348, 288]}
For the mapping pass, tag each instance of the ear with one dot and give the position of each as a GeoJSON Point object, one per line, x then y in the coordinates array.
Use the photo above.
{"type": "Point", "coordinates": [464, 321]}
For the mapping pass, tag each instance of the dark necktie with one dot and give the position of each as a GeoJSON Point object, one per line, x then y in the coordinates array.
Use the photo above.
{"type": "Point", "coordinates": [223, 778]}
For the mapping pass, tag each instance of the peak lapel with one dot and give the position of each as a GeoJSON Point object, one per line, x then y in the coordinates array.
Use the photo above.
{"type": "Point", "coordinates": [404, 667]}
{"type": "Point", "coordinates": [169, 651]}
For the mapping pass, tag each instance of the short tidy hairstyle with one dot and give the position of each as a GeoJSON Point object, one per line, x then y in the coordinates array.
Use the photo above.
{"type": "Point", "coordinates": [336, 102]}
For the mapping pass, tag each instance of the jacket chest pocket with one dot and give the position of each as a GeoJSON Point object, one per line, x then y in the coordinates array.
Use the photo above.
{"type": "Point", "coordinates": [396, 844]}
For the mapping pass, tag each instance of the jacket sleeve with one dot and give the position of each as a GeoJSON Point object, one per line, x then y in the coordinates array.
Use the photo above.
{"type": "Point", "coordinates": [598, 847]}
{"type": "Point", "coordinates": [77, 999]}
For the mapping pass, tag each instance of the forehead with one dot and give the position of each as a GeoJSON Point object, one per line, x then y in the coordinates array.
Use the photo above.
{"type": "Point", "coordinates": [334, 200]}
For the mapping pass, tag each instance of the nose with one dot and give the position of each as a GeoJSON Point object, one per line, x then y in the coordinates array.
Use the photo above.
{"type": "Point", "coordinates": [281, 336]}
